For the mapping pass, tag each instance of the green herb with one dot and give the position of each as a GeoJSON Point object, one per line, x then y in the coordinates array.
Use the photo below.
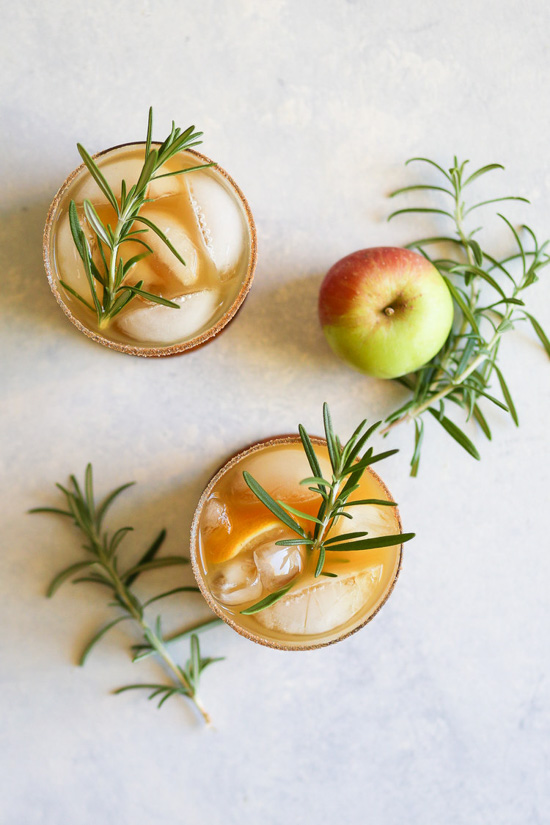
{"type": "Point", "coordinates": [348, 463]}
{"type": "Point", "coordinates": [103, 566]}
{"type": "Point", "coordinates": [486, 293]}
{"type": "Point", "coordinates": [110, 270]}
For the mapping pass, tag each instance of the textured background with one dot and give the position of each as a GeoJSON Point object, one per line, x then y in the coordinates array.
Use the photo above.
{"type": "Point", "coordinates": [438, 712]}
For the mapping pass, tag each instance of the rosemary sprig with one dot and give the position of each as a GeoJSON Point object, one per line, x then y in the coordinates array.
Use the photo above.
{"type": "Point", "coordinates": [111, 270]}
{"type": "Point", "coordinates": [348, 466]}
{"type": "Point", "coordinates": [102, 566]}
{"type": "Point", "coordinates": [486, 293]}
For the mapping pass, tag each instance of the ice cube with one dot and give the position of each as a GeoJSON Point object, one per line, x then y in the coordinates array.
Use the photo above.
{"type": "Point", "coordinates": [115, 169]}
{"type": "Point", "coordinates": [322, 606]}
{"type": "Point", "coordinates": [165, 262]}
{"type": "Point", "coordinates": [237, 582]}
{"type": "Point", "coordinates": [223, 545]}
{"type": "Point", "coordinates": [280, 472]}
{"type": "Point", "coordinates": [154, 323]}
{"type": "Point", "coordinates": [220, 220]}
{"type": "Point", "coordinates": [278, 565]}
{"type": "Point", "coordinates": [69, 263]}
{"type": "Point", "coordinates": [214, 516]}
{"type": "Point", "coordinates": [374, 519]}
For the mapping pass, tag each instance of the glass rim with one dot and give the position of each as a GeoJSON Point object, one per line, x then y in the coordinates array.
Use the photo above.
{"type": "Point", "coordinates": [196, 565]}
{"type": "Point", "coordinates": [177, 348]}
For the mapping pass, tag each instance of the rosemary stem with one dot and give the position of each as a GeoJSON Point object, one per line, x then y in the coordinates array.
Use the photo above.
{"type": "Point", "coordinates": [180, 634]}
{"type": "Point", "coordinates": [327, 518]}
{"type": "Point", "coordinates": [461, 370]}
{"type": "Point", "coordinates": [458, 380]}
{"type": "Point", "coordinates": [474, 287]}
{"type": "Point", "coordinates": [131, 606]}
{"type": "Point", "coordinates": [474, 295]}
{"type": "Point", "coordinates": [160, 648]}
{"type": "Point", "coordinates": [110, 297]}
{"type": "Point", "coordinates": [113, 261]}
{"type": "Point", "coordinates": [111, 270]}
{"type": "Point", "coordinates": [416, 411]}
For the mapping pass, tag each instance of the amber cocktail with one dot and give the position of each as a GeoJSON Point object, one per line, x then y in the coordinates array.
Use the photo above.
{"type": "Point", "coordinates": [237, 562]}
{"type": "Point", "coordinates": [204, 216]}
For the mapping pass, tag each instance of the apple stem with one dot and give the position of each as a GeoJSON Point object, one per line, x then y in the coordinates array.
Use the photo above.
{"type": "Point", "coordinates": [389, 311]}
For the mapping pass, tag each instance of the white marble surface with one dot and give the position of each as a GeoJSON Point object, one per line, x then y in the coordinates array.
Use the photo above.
{"type": "Point", "coordinates": [438, 712]}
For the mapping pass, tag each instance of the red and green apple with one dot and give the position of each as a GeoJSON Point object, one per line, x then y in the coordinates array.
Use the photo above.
{"type": "Point", "coordinates": [386, 311]}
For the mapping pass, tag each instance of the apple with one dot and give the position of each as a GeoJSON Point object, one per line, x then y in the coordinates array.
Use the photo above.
{"type": "Point", "coordinates": [386, 311]}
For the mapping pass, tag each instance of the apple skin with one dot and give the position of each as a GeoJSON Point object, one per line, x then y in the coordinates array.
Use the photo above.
{"type": "Point", "coordinates": [386, 311]}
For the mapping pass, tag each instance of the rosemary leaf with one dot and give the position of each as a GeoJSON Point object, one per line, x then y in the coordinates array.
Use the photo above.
{"type": "Point", "coordinates": [97, 636]}
{"type": "Point", "coordinates": [148, 556]}
{"type": "Point", "coordinates": [381, 502]}
{"type": "Point", "coordinates": [456, 433]}
{"type": "Point", "coordinates": [268, 601]}
{"type": "Point", "coordinates": [106, 503]}
{"type": "Point", "coordinates": [65, 574]}
{"type": "Point", "coordinates": [299, 513]}
{"type": "Point", "coordinates": [271, 504]}
{"type": "Point", "coordinates": [331, 440]}
{"type": "Point", "coordinates": [155, 564]}
{"type": "Point", "coordinates": [109, 269]}
{"type": "Point", "coordinates": [103, 567]}
{"type": "Point", "coordinates": [543, 338]}
{"type": "Point", "coordinates": [461, 371]}
{"type": "Point", "coordinates": [507, 396]}
{"type": "Point", "coordinates": [311, 457]}
{"type": "Point", "coordinates": [150, 225]}
{"type": "Point", "coordinates": [345, 537]}
{"type": "Point", "coordinates": [374, 543]}
{"type": "Point", "coordinates": [481, 420]}
{"type": "Point", "coordinates": [98, 176]}
{"type": "Point", "coordinates": [155, 299]}
{"type": "Point", "coordinates": [347, 472]}
{"type": "Point", "coordinates": [482, 171]}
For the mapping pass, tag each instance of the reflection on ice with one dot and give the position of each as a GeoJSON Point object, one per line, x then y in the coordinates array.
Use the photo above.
{"type": "Point", "coordinates": [128, 169]}
{"type": "Point", "coordinates": [166, 263]}
{"type": "Point", "coordinates": [238, 582]}
{"type": "Point", "coordinates": [154, 323]}
{"type": "Point", "coordinates": [280, 471]}
{"type": "Point", "coordinates": [278, 565]}
{"type": "Point", "coordinates": [373, 519]}
{"type": "Point", "coordinates": [215, 515]}
{"type": "Point", "coordinates": [323, 606]}
{"type": "Point", "coordinates": [203, 220]}
{"type": "Point", "coordinates": [220, 221]}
